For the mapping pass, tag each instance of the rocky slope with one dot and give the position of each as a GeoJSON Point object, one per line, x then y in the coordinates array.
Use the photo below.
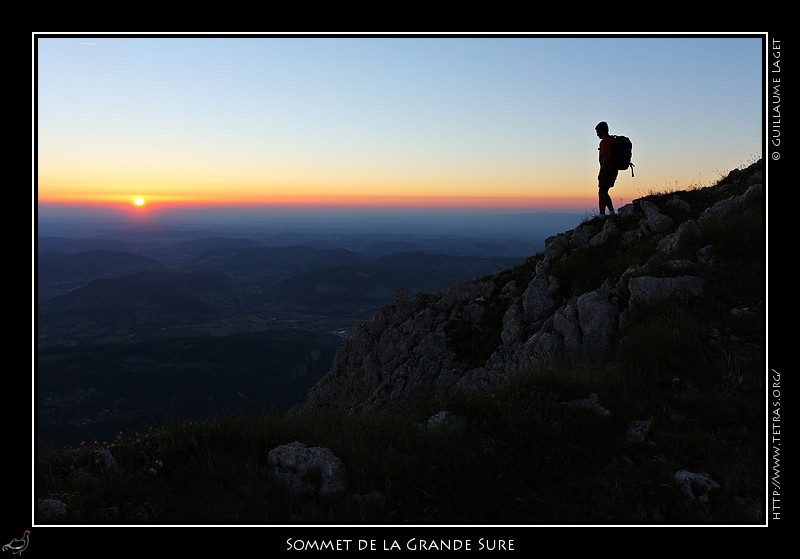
{"type": "Point", "coordinates": [564, 307]}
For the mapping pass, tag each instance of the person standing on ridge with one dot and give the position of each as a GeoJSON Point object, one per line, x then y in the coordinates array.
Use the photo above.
{"type": "Point", "coordinates": [608, 173]}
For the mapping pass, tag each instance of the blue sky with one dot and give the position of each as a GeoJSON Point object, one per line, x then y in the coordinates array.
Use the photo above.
{"type": "Point", "coordinates": [504, 121]}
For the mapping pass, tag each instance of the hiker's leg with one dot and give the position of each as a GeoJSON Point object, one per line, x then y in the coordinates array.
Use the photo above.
{"type": "Point", "coordinates": [609, 203]}
{"type": "Point", "coordinates": [604, 183]}
{"type": "Point", "coordinates": [611, 180]}
{"type": "Point", "coordinates": [604, 200]}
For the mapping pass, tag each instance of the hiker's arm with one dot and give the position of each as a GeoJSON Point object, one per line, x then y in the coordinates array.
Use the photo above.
{"type": "Point", "coordinates": [605, 154]}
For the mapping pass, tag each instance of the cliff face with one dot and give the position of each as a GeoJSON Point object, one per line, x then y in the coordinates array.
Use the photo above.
{"type": "Point", "coordinates": [564, 307]}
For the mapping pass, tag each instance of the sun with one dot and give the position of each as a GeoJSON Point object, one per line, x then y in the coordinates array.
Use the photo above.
{"type": "Point", "coordinates": [139, 201]}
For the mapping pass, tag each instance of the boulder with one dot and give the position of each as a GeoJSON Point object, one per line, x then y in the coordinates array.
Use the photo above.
{"type": "Point", "coordinates": [728, 205]}
{"type": "Point", "coordinates": [540, 298]}
{"type": "Point", "coordinates": [512, 324]}
{"type": "Point", "coordinates": [445, 421]}
{"type": "Point", "coordinates": [543, 350]}
{"type": "Point", "coordinates": [695, 486]}
{"type": "Point", "coordinates": [592, 403]}
{"type": "Point", "coordinates": [565, 322]}
{"type": "Point", "coordinates": [638, 430]}
{"type": "Point", "coordinates": [654, 220]}
{"type": "Point", "coordinates": [609, 232]}
{"type": "Point", "coordinates": [554, 248]}
{"type": "Point", "coordinates": [107, 459]}
{"type": "Point", "coordinates": [670, 243]}
{"type": "Point", "coordinates": [307, 470]}
{"type": "Point", "coordinates": [598, 318]}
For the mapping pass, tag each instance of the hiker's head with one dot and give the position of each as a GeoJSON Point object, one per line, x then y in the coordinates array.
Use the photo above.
{"type": "Point", "coordinates": [602, 129]}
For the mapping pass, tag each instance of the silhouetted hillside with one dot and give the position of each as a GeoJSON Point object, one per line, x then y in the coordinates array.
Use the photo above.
{"type": "Point", "coordinates": [568, 306]}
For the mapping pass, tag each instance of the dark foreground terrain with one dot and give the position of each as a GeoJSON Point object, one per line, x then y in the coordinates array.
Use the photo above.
{"type": "Point", "coordinates": [666, 427]}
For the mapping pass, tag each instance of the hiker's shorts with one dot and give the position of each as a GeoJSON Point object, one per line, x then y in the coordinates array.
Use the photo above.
{"type": "Point", "coordinates": [606, 180]}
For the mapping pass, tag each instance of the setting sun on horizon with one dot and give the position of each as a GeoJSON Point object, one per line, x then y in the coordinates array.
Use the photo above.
{"type": "Point", "coordinates": [493, 122]}
{"type": "Point", "coordinates": [548, 202]}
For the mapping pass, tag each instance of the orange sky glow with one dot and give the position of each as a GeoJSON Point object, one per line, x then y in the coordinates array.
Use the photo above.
{"type": "Point", "coordinates": [123, 201]}
{"type": "Point", "coordinates": [353, 190]}
{"type": "Point", "coordinates": [439, 122]}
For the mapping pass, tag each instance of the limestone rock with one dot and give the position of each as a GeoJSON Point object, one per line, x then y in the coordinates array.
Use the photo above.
{"type": "Point", "coordinates": [445, 421]}
{"type": "Point", "coordinates": [543, 350]}
{"type": "Point", "coordinates": [554, 248]}
{"type": "Point", "coordinates": [540, 298]}
{"type": "Point", "coordinates": [670, 243]}
{"type": "Point", "coordinates": [307, 470]}
{"type": "Point", "coordinates": [695, 486]}
{"type": "Point", "coordinates": [728, 205]}
{"type": "Point", "coordinates": [599, 319]}
{"type": "Point", "coordinates": [609, 232]}
{"type": "Point", "coordinates": [654, 220]}
{"type": "Point", "coordinates": [592, 403]}
{"type": "Point", "coordinates": [108, 461]}
{"type": "Point", "coordinates": [512, 324]}
{"type": "Point", "coordinates": [638, 430]}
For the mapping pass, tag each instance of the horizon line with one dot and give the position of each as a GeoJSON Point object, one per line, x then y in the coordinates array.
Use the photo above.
{"type": "Point", "coordinates": [127, 204]}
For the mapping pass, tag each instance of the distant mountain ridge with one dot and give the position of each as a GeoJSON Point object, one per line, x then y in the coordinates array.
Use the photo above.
{"type": "Point", "coordinates": [566, 306]}
{"type": "Point", "coordinates": [225, 277]}
{"type": "Point", "coordinates": [61, 245]}
{"type": "Point", "coordinates": [376, 280]}
{"type": "Point", "coordinates": [104, 315]}
{"type": "Point", "coordinates": [296, 258]}
{"type": "Point", "coordinates": [54, 265]}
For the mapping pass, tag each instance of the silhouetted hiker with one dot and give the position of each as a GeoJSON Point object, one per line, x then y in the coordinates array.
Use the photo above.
{"type": "Point", "coordinates": [608, 173]}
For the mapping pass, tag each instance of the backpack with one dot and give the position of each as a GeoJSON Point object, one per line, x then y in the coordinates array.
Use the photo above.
{"type": "Point", "coordinates": [621, 153]}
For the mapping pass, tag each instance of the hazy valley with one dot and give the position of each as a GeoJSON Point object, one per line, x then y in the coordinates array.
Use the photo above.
{"type": "Point", "coordinates": [142, 323]}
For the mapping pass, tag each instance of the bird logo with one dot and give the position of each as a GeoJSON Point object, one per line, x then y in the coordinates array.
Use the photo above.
{"type": "Point", "coordinates": [18, 545]}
